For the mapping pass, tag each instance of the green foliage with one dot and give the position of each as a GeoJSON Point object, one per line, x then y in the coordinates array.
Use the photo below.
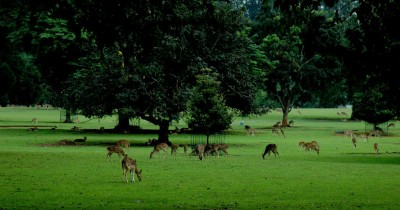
{"type": "Point", "coordinates": [373, 105]}
{"type": "Point", "coordinates": [208, 113]}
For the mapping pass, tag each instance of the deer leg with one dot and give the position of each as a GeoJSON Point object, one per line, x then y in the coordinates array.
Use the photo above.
{"type": "Point", "coordinates": [133, 175]}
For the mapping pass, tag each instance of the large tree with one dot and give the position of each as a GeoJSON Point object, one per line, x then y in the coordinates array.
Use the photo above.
{"type": "Point", "coordinates": [163, 45]}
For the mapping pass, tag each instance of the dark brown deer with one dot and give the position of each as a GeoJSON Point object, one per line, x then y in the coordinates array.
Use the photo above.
{"type": "Point", "coordinates": [114, 149]}
{"type": "Point", "coordinates": [270, 148]}
{"type": "Point", "coordinates": [376, 148]}
{"type": "Point", "coordinates": [354, 141]}
{"type": "Point", "coordinates": [81, 140]}
{"type": "Point", "coordinates": [214, 148]}
{"type": "Point", "coordinates": [123, 143]}
{"type": "Point", "coordinates": [129, 164]}
{"type": "Point", "coordinates": [158, 148]}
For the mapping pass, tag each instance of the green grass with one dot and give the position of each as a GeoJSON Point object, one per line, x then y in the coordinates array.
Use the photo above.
{"type": "Point", "coordinates": [37, 174]}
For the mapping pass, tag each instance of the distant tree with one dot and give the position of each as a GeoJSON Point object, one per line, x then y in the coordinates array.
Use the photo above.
{"type": "Point", "coordinates": [207, 112]}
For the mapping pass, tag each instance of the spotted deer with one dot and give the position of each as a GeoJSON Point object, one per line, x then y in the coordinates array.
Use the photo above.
{"type": "Point", "coordinates": [376, 148]}
{"type": "Point", "coordinates": [123, 143]}
{"type": "Point", "coordinates": [313, 145]}
{"type": "Point", "coordinates": [129, 164]}
{"type": "Point", "coordinates": [158, 148]}
{"type": "Point", "coordinates": [114, 149]}
{"type": "Point", "coordinates": [214, 148]}
{"type": "Point", "coordinates": [270, 148]}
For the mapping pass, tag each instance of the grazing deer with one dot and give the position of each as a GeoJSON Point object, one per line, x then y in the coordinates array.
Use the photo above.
{"type": "Point", "coordinates": [81, 140]}
{"type": "Point", "coordinates": [391, 125]}
{"type": "Point", "coordinates": [270, 148]}
{"type": "Point", "coordinates": [313, 145]}
{"type": "Point", "coordinates": [124, 143]}
{"type": "Point", "coordinates": [215, 148]}
{"type": "Point", "coordinates": [114, 149]}
{"type": "Point", "coordinates": [34, 121]}
{"type": "Point", "coordinates": [200, 148]}
{"type": "Point", "coordinates": [374, 133]}
{"type": "Point", "coordinates": [376, 148]}
{"type": "Point", "coordinates": [174, 149]}
{"type": "Point", "coordinates": [129, 164]}
{"type": "Point", "coordinates": [249, 130]}
{"type": "Point", "coordinates": [158, 147]}
{"type": "Point", "coordinates": [354, 141]}
{"type": "Point", "coordinates": [185, 147]}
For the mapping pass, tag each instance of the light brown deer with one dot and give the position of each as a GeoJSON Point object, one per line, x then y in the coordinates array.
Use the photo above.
{"type": "Point", "coordinates": [185, 148]}
{"type": "Point", "coordinates": [313, 145]}
{"type": "Point", "coordinates": [129, 164]}
{"type": "Point", "coordinates": [214, 148]}
{"type": "Point", "coordinates": [249, 130]}
{"type": "Point", "coordinates": [270, 148]}
{"type": "Point", "coordinates": [123, 143]}
{"type": "Point", "coordinates": [114, 149]}
{"type": "Point", "coordinates": [376, 148]}
{"type": "Point", "coordinates": [34, 121]}
{"type": "Point", "coordinates": [174, 149]}
{"type": "Point", "coordinates": [158, 148]}
{"type": "Point", "coordinates": [200, 148]}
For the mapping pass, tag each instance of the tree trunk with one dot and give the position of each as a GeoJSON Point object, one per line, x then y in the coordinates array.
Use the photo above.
{"type": "Point", "coordinates": [285, 112]}
{"type": "Point", "coordinates": [68, 116]}
{"type": "Point", "coordinates": [164, 132]}
{"type": "Point", "coordinates": [123, 123]}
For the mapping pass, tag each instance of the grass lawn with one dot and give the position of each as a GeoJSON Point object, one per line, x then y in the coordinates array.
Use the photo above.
{"type": "Point", "coordinates": [36, 173]}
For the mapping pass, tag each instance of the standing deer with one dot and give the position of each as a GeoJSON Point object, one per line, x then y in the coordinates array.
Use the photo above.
{"type": "Point", "coordinates": [200, 151]}
{"type": "Point", "coordinates": [249, 130]}
{"type": "Point", "coordinates": [129, 164]}
{"type": "Point", "coordinates": [158, 147]}
{"type": "Point", "coordinates": [376, 148]}
{"type": "Point", "coordinates": [34, 121]}
{"type": "Point", "coordinates": [124, 143]}
{"type": "Point", "coordinates": [114, 149]}
{"type": "Point", "coordinates": [174, 149]}
{"type": "Point", "coordinates": [354, 141]}
{"type": "Point", "coordinates": [270, 148]}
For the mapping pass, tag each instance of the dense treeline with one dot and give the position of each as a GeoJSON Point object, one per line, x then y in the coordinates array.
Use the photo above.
{"type": "Point", "coordinates": [140, 59]}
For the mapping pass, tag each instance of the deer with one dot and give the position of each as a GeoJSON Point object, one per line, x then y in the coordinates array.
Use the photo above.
{"type": "Point", "coordinates": [354, 141]}
{"type": "Point", "coordinates": [374, 133]}
{"type": "Point", "coordinates": [34, 121]}
{"type": "Point", "coordinates": [313, 145]}
{"type": "Point", "coordinates": [185, 148]}
{"type": "Point", "coordinates": [215, 148]}
{"type": "Point", "coordinates": [200, 148]}
{"type": "Point", "coordinates": [376, 148]}
{"type": "Point", "coordinates": [249, 130]}
{"type": "Point", "coordinates": [158, 147]}
{"type": "Point", "coordinates": [81, 140]}
{"type": "Point", "coordinates": [364, 137]}
{"type": "Point", "coordinates": [114, 149]}
{"type": "Point", "coordinates": [391, 125]}
{"type": "Point", "coordinates": [301, 144]}
{"type": "Point", "coordinates": [124, 143]}
{"type": "Point", "coordinates": [129, 164]}
{"type": "Point", "coordinates": [270, 148]}
{"type": "Point", "coordinates": [174, 149]}
{"type": "Point", "coordinates": [348, 133]}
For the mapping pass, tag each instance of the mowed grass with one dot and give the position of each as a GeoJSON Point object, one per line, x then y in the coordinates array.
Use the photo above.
{"type": "Point", "coordinates": [36, 173]}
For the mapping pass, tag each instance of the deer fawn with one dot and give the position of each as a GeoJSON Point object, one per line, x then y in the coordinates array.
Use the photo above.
{"type": "Point", "coordinates": [174, 149]}
{"type": "Point", "coordinates": [215, 148]}
{"type": "Point", "coordinates": [124, 143]}
{"type": "Point", "coordinates": [81, 140]}
{"type": "Point", "coordinates": [376, 148]}
{"type": "Point", "coordinates": [158, 147]}
{"type": "Point", "coordinates": [129, 164]}
{"type": "Point", "coordinates": [270, 148]}
{"type": "Point", "coordinates": [34, 121]}
{"type": "Point", "coordinates": [114, 149]}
